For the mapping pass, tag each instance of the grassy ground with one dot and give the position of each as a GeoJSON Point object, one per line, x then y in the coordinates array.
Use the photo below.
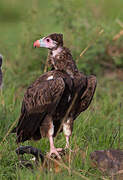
{"type": "Point", "coordinates": [100, 127]}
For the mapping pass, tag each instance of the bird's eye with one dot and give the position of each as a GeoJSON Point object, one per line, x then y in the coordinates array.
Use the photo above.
{"type": "Point", "coordinates": [48, 40]}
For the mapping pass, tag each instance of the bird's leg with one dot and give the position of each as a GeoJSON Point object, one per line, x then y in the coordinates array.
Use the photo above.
{"type": "Point", "coordinates": [67, 129]}
{"type": "Point", "coordinates": [67, 142]}
{"type": "Point", "coordinates": [53, 150]}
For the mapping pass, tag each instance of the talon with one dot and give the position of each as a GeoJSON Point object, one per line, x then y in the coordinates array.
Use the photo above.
{"type": "Point", "coordinates": [55, 151]}
{"type": "Point", "coordinates": [67, 147]}
{"type": "Point", "coordinates": [59, 149]}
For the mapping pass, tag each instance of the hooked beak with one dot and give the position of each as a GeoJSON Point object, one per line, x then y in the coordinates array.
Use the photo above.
{"type": "Point", "coordinates": [39, 43]}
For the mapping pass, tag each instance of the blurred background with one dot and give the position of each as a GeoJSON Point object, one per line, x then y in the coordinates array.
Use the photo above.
{"type": "Point", "coordinates": [80, 21]}
{"type": "Point", "coordinates": [23, 22]}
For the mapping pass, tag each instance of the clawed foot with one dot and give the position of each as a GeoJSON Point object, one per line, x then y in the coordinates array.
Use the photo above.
{"type": "Point", "coordinates": [55, 151]}
{"type": "Point", "coordinates": [68, 148]}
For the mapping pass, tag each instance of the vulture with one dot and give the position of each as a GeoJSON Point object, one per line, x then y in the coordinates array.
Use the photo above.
{"type": "Point", "coordinates": [1, 71]}
{"type": "Point", "coordinates": [47, 100]}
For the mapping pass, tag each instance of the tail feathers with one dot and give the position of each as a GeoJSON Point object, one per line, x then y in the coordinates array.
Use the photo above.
{"type": "Point", "coordinates": [14, 130]}
{"type": "Point", "coordinates": [28, 127]}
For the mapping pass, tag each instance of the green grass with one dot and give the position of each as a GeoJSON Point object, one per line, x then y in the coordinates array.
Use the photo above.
{"type": "Point", "coordinates": [97, 128]}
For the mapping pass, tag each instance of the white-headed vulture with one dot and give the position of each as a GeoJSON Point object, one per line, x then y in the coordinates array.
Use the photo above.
{"type": "Point", "coordinates": [47, 100]}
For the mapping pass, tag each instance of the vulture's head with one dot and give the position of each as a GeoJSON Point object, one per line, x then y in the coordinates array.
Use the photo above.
{"type": "Point", "coordinates": [53, 41]}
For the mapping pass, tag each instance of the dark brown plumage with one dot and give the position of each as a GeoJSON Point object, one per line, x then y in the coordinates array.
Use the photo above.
{"type": "Point", "coordinates": [57, 37]}
{"type": "Point", "coordinates": [60, 58]}
{"type": "Point", "coordinates": [47, 100]}
{"type": "Point", "coordinates": [63, 61]}
{"type": "Point", "coordinates": [40, 102]}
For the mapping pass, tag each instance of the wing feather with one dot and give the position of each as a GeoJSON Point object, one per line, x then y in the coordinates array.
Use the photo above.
{"type": "Point", "coordinates": [41, 98]}
{"type": "Point", "coordinates": [87, 96]}
{"type": "Point", "coordinates": [44, 95]}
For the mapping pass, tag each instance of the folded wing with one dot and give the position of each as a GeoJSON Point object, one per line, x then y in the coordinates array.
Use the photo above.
{"type": "Point", "coordinates": [40, 99]}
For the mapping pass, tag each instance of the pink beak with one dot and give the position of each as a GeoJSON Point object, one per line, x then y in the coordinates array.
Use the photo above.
{"type": "Point", "coordinates": [36, 44]}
